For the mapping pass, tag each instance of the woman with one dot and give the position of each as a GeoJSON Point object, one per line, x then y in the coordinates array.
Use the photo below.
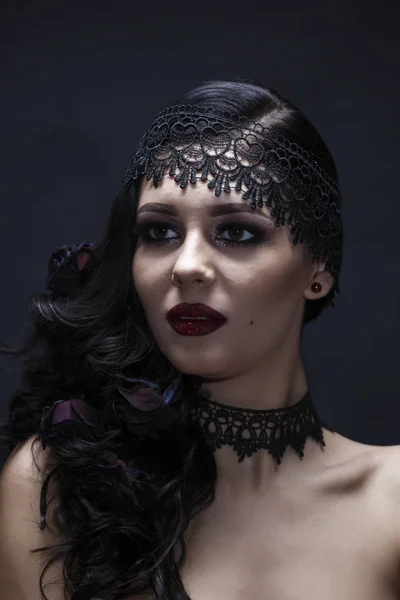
{"type": "Point", "coordinates": [164, 395]}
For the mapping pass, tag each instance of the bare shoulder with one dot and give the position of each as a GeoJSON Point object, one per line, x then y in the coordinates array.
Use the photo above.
{"type": "Point", "coordinates": [389, 498]}
{"type": "Point", "coordinates": [384, 465]}
{"type": "Point", "coordinates": [21, 476]}
{"type": "Point", "coordinates": [376, 469]}
{"type": "Point", "coordinates": [23, 472]}
{"type": "Point", "coordinates": [21, 482]}
{"type": "Point", "coordinates": [20, 463]}
{"type": "Point", "coordinates": [390, 469]}
{"type": "Point", "coordinates": [385, 461]}
{"type": "Point", "coordinates": [391, 484]}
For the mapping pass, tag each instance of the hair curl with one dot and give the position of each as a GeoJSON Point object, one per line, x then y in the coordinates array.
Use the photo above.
{"type": "Point", "coordinates": [83, 336]}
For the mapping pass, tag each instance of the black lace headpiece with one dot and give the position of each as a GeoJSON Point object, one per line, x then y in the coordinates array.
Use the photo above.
{"type": "Point", "coordinates": [193, 143]}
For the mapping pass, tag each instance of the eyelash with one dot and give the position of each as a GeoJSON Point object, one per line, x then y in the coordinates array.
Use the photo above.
{"type": "Point", "coordinates": [143, 229]}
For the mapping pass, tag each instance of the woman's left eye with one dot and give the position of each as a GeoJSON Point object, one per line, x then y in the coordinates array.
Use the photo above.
{"type": "Point", "coordinates": [235, 229]}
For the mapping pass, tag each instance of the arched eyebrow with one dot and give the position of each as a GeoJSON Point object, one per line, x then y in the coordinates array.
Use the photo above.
{"type": "Point", "coordinates": [216, 210]}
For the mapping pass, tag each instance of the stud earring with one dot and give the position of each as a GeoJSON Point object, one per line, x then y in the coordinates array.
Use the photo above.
{"type": "Point", "coordinates": [316, 287]}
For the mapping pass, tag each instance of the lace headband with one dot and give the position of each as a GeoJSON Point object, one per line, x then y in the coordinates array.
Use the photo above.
{"type": "Point", "coordinates": [193, 143]}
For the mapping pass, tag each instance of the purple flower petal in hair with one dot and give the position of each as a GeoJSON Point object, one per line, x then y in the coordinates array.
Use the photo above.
{"type": "Point", "coordinates": [74, 410]}
{"type": "Point", "coordinates": [128, 474]}
{"type": "Point", "coordinates": [118, 480]}
{"type": "Point", "coordinates": [84, 417]}
{"type": "Point", "coordinates": [143, 408]}
{"type": "Point", "coordinates": [66, 267]}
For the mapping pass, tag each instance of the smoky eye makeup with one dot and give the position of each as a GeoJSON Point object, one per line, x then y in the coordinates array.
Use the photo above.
{"type": "Point", "coordinates": [230, 232]}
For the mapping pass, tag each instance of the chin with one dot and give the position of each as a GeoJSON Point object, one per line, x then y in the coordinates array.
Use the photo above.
{"type": "Point", "coordinates": [201, 368]}
{"type": "Point", "coordinates": [205, 362]}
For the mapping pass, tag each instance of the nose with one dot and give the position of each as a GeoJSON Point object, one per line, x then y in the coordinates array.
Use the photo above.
{"type": "Point", "coordinates": [193, 264]}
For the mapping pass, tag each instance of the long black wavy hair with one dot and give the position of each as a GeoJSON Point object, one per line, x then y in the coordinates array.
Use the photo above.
{"type": "Point", "coordinates": [79, 340]}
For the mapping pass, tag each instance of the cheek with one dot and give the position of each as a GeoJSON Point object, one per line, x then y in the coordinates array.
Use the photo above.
{"type": "Point", "coordinates": [269, 298]}
{"type": "Point", "coordinates": [273, 278]}
{"type": "Point", "coordinates": [140, 276]}
{"type": "Point", "coordinates": [148, 278]}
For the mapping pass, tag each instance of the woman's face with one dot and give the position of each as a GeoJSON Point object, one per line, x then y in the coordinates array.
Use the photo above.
{"type": "Point", "coordinates": [238, 263]}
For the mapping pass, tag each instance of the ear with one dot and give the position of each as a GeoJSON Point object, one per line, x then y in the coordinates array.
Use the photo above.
{"type": "Point", "coordinates": [319, 276]}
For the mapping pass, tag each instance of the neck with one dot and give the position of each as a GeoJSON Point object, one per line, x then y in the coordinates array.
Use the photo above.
{"type": "Point", "coordinates": [278, 381]}
{"type": "Point", "coordinates": [280, 385]}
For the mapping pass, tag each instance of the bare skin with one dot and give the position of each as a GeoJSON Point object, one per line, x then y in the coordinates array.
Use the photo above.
{"type": "Point", "coordinates": [327, 532]}
{"type": "Point", "coordinates": [320, 527]}
{"type": "Point", "coordinates": [330, 533]}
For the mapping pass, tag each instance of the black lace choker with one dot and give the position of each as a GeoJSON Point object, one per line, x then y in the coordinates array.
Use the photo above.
{"type": "Point", "coordinates": [248, 430]}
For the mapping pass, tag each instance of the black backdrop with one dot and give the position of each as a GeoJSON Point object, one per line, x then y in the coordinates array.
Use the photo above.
{"type": "Point", "coordinates": [81, 82]}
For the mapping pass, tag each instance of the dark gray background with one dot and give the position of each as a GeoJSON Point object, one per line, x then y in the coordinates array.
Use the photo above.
{"type": "Point", "coordinates": [81, 82]}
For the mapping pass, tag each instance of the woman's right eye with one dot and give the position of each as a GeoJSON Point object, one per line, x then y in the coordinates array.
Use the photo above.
{"type": "Point", "coordinates": [154, 232]}
{"type": "Point", "coordinates": [157, 230]}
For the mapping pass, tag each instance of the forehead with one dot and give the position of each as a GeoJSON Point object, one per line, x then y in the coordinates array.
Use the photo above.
{"type": "Point", "coordinates": [193, 198]}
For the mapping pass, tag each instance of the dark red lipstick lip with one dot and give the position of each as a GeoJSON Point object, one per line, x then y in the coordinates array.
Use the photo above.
{"type": "Point", "coordinates": [194, 310]}
{"type": "Point", "coordinates": [195, 327]}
